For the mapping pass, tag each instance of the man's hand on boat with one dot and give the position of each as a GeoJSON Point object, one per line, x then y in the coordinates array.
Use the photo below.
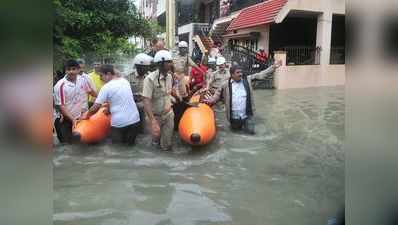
{"type": "Point", "coordinates": [84, 116]}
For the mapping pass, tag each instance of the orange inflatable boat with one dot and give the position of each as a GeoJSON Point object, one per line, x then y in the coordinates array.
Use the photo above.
{"type": "Point", "coordinates": [93, 130]}
{"type": "Point", "coordinates": [197, 125]}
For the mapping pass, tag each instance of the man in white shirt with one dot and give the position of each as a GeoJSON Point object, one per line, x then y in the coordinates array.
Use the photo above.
{"type": "Point", "coordinates": [88, 88]}
{"type": "Point", "coordinates": [238, 97]}
{"type": "Point", "coordinates": [68, 101]}
{"type": "Point", "coordinates": [124, 113]}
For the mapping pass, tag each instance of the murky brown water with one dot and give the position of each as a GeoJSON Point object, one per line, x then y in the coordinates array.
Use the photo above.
{"type": "Point", "coordinates": [290, 172]}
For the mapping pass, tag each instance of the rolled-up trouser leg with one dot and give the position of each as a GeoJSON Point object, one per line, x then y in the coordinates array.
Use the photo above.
{"type": "Point", "coordinates": [166, 130]}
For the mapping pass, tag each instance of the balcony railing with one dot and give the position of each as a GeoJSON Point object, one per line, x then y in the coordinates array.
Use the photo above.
{"type": "Point", "coordinates": [302, 55]}
{"type": "Point", "coordinates": [246, 58]}
{"type": "Point", "coordinates": [201, 29]}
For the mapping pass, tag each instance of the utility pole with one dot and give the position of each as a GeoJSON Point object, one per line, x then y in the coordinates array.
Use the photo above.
{"type": "Point", "coordinates": [170, 23]}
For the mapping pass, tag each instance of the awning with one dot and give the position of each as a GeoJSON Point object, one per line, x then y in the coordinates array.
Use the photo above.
{"type": "Point", "coordinates": [259, 14]}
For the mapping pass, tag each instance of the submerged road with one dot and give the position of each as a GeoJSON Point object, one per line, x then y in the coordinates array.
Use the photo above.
{"type": "Point", "coordinates": [290, 172]}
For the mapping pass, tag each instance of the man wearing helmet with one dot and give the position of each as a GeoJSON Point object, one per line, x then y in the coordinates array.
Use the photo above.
{"type": "Point", "coordinates": [182, 62]}
{"type": "Point", "coordinates": [157, 100]}
{"type": "Point", "coordinates": [142, 64]}
{"type": "Point", "coordinates": [217, 78]}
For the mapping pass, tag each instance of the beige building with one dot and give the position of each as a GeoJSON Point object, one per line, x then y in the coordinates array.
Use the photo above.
{"type": "Point", "coordinates": [307, 35]}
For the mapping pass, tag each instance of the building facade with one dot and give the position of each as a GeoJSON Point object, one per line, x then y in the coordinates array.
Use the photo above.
{"type": "Point", "coordinates": [308, 35]}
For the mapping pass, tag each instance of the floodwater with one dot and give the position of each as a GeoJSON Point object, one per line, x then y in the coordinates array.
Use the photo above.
{"type": "Point", "coordinates": [290, 172]}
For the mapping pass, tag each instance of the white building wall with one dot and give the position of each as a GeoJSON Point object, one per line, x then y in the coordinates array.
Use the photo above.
{"type": "Point", "coordinates": [161, 7]}
{"type": "Point", "coordinates": [309, 76]}
{"type": "Point", "coordinates": [304, 76]}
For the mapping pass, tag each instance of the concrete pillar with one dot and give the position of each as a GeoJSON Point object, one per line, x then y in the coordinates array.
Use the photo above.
{"type": "Point", "coordinates": [170, 23]}
{"type": "Point", "coordinates": [324, 36]}
{"type": "Point", "coordinates": [280, 55]}
{"type": "Point", "coordinates": [279, 75]}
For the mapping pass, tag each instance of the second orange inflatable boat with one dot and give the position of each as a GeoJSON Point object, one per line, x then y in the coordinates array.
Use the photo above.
{"type": "Point", "coordinates": [93, 130]}
{"type": "Point", "coordinates": [197, 125]}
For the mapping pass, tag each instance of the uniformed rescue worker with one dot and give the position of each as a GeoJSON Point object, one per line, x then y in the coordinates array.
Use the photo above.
{"type": "Point", "coordinates": [217, 78]}
{"type": "Point", "coordinates": [157, 100]}
{"type": "Point", "coordinates": [182, 62]}
{"type": "Point", "coordinates": [143, 64]}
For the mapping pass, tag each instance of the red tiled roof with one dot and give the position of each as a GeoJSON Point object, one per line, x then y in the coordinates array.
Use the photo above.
{"type": "Point", "coordinates": [259, 14]}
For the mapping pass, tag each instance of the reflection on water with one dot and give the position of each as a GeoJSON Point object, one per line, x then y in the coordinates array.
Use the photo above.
{"type": "Point", "coordinates": [290, 172]}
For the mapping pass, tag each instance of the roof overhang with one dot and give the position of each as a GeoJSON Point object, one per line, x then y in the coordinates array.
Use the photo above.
{"type": "Point", "coordinates": [260, 14]}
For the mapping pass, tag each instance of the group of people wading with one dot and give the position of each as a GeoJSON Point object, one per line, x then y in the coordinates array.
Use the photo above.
{"type": "Point", "coordinates": [155, 96]}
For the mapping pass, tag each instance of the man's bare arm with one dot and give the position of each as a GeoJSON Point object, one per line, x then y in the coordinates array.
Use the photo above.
{"type": "Point", "coordinates": [148, 108]}
{"type": "Point", "coordinates": [263, 74]}
{"type": "Point", "coordinates": [93, 109]}
{"type": "Point", "coordinates": [66, 113]}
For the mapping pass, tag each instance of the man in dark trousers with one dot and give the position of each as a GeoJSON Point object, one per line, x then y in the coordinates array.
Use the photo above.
{"type": "Point", "coordinates": [237, 94]}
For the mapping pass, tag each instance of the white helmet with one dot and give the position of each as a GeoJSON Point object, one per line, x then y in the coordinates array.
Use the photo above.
{"type": "Point", "coordinates": [211, 60]}
{"type": "Point", "coordinates": [143, 59]}
{"type": "Point", "coordinates": [162, 55]}
{"type": "Point", "coordinates": [182, 44]}
{"type": "Point", "coordinates": [220, 60]}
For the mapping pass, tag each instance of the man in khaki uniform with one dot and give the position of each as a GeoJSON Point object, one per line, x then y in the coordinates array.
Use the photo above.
{"type": "Point", "coordinates": [142, 63]}
{"type": "Point", "coordinates": [217, 78]}
{"type": "Point", "coordinates": [182, 62]}
{"type": "Point", "coordinates": [157, 100]}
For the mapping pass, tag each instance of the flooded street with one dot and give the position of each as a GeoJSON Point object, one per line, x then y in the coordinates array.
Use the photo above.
{"type": "Point", "coordinates": [290, 172]}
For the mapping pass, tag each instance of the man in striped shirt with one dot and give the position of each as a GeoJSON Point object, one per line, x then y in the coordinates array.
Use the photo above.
{"type": "Point", "coordinates": [68, 100]}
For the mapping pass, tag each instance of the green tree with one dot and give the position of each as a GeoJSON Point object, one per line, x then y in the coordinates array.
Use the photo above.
{"type": "Point", "coordinates": [96, 27]}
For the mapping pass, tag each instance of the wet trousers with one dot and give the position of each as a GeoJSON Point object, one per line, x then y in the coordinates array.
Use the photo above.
{"type": "Point", "coordinates": [125, 135]}
{"type": "Point", "coordinates": [166, 124]}
{"type": "Point", "coordinates": [246, 125]}
{"type": "Point", "coordinates": [64, 130]}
